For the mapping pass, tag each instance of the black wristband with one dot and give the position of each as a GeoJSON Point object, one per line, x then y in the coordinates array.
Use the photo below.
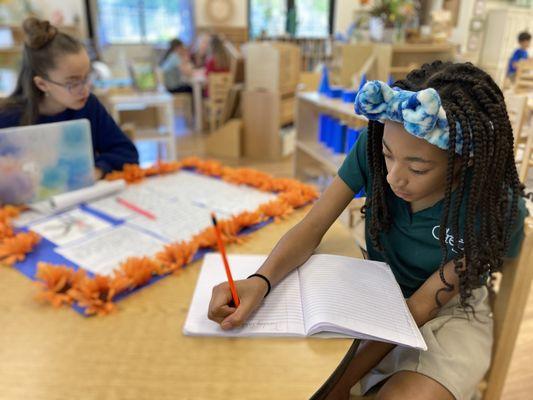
{"type": "Point", "coordinates": [265, 279]}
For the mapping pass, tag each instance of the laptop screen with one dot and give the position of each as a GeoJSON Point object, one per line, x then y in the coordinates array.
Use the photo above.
{"type": "Point", "coordinates": [40, 161]}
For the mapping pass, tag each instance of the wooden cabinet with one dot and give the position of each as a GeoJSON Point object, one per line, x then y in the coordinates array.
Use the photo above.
{"type": "Point", "coordinates": [272, 72]}
{"type": "Point", "coordinates": [272, 66]}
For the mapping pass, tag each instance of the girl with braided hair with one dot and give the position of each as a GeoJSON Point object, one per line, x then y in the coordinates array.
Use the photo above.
{"type": "Point", "coordinates": [444, 208]}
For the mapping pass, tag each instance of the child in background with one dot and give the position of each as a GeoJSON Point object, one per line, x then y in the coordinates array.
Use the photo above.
{"type": "Point", "coordinates": [53, 85]}
{"type": "Point", "coordinates": [218, 59]}
{"type": "Point", "coordinates": [200, 49]}
{"type": "Point", "coordinates": [177, 68]}
{"type": "Point", "coordinates": [444, 207]}
{"type": "Point", "coordinates": [524, 40]}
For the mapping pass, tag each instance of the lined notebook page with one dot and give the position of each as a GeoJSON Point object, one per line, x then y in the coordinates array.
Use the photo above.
{"type": "Point", "coordinates": [358, 295]}
{"type": "Point", "coordinates": [279, 315]}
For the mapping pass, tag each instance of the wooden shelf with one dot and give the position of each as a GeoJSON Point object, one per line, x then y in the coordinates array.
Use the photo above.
{"type": "Point", "coordinates": [310, 154]}
{"type": "Point", "coordinates": [333, 106]}
{"type": "Point", "coordinates": [332, 162]}
{"type": "Point", "coordinates": [423, 48]}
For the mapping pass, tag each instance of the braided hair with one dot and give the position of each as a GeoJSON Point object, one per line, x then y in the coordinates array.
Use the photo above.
{"type": "Point", "coordinates": [490, 198]}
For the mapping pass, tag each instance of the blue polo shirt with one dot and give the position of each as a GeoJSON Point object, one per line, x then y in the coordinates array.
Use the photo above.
{"type": "Point", "coordinates": [112, 148]}
{"type": "Point", "coordinates": [412, 243]}
{"type": "Point", "coordinates": [519, 54]}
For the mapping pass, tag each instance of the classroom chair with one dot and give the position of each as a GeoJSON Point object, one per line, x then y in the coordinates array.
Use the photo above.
{"type": "Point", "coordinates": [508, 305]}
{"type": "Point", "coordinates": [182, 101]}
{"type": "Point", "coordinates": [527, 158]}
{"type": "Point", "coordinates": [218, 86]}
{"type": "Point", "coordinates": [516, 108]}
{"type": "Point", "coordinates": [524, 76]}
{"type": "Point", "coordinates": [183, 106]}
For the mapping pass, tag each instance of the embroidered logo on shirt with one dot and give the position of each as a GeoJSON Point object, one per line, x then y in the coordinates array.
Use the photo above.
{"type": "Point", "coordinates": [449, 240]}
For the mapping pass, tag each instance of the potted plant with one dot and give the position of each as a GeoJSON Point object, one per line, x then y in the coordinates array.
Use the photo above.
{"type": "Point", "coordinates": [389, 19]}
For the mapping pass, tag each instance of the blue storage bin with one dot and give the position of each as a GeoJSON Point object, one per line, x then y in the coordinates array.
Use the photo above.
{"type": "Point", "coordinates": [352, 135]}
{"type": "Point", "coordinates": [335, 92]}
{"type": "Point", "coordinates": [323, 126]}
{"type": "Point", "coordinates": [333, 126]}
{"type": "Point", "coordinates": [339, 138]}
{"type": "Point", "coordinates": [348, 96]}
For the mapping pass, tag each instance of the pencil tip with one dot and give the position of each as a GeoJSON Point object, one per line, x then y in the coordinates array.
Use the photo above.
{"type": "Point", "coordinates": [213, 218]}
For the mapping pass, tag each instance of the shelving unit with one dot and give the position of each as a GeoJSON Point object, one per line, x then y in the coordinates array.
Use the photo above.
{"type": "Point", "coordinates": [313, 51]}
{"type": "Point", "coordinates": [313, 161]}
{"type": "Point", "coordinates": [272, 71]}
{"type": "Point", "coordinates": [311, 158]}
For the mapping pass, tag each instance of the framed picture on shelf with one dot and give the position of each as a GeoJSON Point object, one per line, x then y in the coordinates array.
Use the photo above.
{"type": "Point", "coordinates": [143, 76]}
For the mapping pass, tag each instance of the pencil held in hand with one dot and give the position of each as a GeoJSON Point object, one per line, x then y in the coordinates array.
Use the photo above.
{"type": "Point", "coordinates": [225, 260]}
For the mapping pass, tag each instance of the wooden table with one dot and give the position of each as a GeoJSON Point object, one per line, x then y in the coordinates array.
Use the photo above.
{"type": "Point", "coordinates": [140, 353]}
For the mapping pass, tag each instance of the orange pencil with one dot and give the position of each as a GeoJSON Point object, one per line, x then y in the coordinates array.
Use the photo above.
{"type": "Point", "coordinates": [225, 260]}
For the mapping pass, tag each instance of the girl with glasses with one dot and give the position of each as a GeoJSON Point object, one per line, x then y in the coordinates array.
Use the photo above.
{"type": "Point", "coordinates": [53, 85]}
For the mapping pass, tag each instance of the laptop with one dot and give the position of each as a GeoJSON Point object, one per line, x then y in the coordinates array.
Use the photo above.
{"type": "Point", "coordinates": [41, 161]}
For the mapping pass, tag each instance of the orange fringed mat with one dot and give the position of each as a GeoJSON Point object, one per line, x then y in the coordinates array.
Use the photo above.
{"type": "Point", "coordinates": [61, 285]}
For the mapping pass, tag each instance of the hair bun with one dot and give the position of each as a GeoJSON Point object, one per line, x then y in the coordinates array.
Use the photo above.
{"type": "Point", "coordinates": [38, 33]}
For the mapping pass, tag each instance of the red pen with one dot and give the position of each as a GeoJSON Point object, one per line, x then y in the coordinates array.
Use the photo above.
{"type": "Point", "coordinates": [135, 208]}
{"type": "Point", "coordinates": [232, 287]}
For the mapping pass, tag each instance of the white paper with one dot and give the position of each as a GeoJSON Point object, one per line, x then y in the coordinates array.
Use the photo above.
{"type": "Point", "coordinates": [109, 206]}
{"type": "Point", "coordinates": [358, 295]}
{"type": "Point", "coordinates": [175, 220]}
{"type": "Point", "coordinates": [211, 193]}
{"type": "Point", "coordinates": [67, 200]}
{"type": "Point", "coordinates": [347, 296]}
{"type": "Point", "coordinates": [280, 313]}
{"type": "Point", "coordinates": [28, 217]}
{"type": "Point", "coordinates": [69, 226]}
{"type": "Point", "coordinates": [103, 253]}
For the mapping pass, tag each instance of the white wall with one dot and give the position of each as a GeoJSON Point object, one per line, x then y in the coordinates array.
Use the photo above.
{"type": "Point", "coordinates": [239, 19]}
{"type": "Point", "coordinates": [344, 14]}
{"type": "Point", "coordinates": [461, 31]}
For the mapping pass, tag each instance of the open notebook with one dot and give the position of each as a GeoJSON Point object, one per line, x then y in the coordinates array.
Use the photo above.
{"type": "Point", "coordinates": [328, 296]}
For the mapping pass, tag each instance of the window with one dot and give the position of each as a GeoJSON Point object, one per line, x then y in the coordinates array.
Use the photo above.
{"type": "Point", "coordinates": [144, 21]}
{"type": "Point", "coordinates": [267, 17]}
{"type": "Point", "coordinates": [273, 17]}
{"type": "Point", "coordinates": [312, 18]}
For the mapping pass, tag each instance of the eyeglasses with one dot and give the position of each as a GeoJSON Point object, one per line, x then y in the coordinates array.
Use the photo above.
{"type": "Point", "coordinates": [75, 88]}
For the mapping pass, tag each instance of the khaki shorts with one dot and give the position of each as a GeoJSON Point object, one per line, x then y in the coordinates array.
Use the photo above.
{"type": "Point", "coordinates": [458, 355]}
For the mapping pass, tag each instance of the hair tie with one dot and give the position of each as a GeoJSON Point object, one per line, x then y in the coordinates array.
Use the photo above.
{"type": "Point", "coordinates": [421, 113]}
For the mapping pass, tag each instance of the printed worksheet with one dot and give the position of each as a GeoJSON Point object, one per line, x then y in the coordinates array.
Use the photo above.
{"type": "Point", "coordinates": [110, 206]}
{"type": "Point", "coordinates": [69, 226]}
{"type": "Point", "coordinates": [211, 193]}
{"type": "Point", "coordinates": [173, 220]}
{"type": "Point", "coordinates": [103, 253]}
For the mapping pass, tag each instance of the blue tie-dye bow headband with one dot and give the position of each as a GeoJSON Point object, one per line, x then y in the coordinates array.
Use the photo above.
{"type": "Point", "coordinates": [421, 113]}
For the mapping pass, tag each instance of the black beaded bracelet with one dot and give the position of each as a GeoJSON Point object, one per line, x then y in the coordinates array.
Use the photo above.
{"type": "Point", "coordinates": [265, 279]}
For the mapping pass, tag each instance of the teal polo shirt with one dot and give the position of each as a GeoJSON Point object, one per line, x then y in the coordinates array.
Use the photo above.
{"type": "Point", "coordinates": [412, 242]}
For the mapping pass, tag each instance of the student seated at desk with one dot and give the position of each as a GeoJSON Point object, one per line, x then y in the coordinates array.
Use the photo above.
{"type": "Point", "coordinates": [444, 208]}
{"type": "Point", "coordinates": [218, 59]}
{"type": "Point", "coordinates": [53, 85]}
{"type": "Point", "coordinates": [177, 68]}
{"type": "Point", "coordinates": [524, 40]}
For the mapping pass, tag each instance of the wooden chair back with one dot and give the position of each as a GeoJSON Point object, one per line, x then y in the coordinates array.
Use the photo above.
{"type": "Point", "coordinates": [516, 108]}
{"type": "Point", "coordinates": [524, 76]}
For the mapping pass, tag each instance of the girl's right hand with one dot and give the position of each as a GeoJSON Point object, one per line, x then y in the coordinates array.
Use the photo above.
{"type": "Point", "coordinates": [251, 292]}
